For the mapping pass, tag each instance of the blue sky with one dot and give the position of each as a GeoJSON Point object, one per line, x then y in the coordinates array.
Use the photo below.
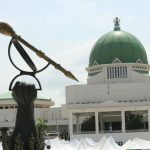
{"type": "Point", "coordinates": [66, 31]}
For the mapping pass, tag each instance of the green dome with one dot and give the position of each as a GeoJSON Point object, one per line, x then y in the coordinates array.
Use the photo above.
{"type": "Point", "coordinates": [117, 44]}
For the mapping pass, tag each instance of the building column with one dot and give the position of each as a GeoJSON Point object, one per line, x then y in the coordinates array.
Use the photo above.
{"type": "Point", "coordinates": [70, 124]}
{"type": "Point", "coordinates": [96, 123]}
{"type": "Point", "coordinates": [149, 120]}
{"type": "Point", "coordinates": [77, 123]}
{"type": "Point", "coordinates": [123, 121]}
{"type": "Point", "coordinates": [56, 121]}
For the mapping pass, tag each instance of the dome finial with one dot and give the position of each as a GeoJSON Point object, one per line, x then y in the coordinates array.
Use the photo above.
{"type": "Point", "coordinates": [116, 24]}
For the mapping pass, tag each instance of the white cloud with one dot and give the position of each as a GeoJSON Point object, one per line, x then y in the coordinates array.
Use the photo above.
{"type": "Point", "coordinates": [76, 60]}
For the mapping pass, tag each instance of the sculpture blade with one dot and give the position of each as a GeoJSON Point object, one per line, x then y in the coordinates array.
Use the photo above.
{"type": "Point", "coordinates": [70, 75]}
{"type": "Point", "coordinates": [6, 29]}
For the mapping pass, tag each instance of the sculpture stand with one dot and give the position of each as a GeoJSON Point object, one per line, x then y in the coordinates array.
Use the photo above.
{"type": "Point", "coordinates": [5, 139]}
{"type": "Point", "coordinates": [24, 136]}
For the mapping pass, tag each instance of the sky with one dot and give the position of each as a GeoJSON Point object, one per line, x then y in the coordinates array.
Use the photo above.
{"type": "Point", "coordinates": [65, 30]}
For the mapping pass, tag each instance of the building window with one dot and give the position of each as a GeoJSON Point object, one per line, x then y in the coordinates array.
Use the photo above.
{"type": "Point", "coordinates": [6, 107]}
{"type": "Point", "coordinates": [124, 71]}
{"type": "Point", "coordinates": [112, 74]}
{"type": "Point", "coordinates": [121, 72]}
{"type": "Point", "coordinates": [108, 72]}
{"type": "Point", "coordinates": [117, 72]}
{"type": "Point", "coordinates": [118, 69]}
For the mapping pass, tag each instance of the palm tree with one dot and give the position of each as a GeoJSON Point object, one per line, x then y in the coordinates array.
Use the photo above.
{"type": "Point", "coordinates": [40, 130]}
{"type": "Point", "coordinates": [41, 123]}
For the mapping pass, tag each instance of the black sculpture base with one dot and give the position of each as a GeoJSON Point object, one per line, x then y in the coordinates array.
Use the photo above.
{"type": "Point", "coordinates": [25, 135]}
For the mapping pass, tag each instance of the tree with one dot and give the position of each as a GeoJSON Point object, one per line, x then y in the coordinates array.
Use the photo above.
{"type": "Point", "coordinates": [88, 124]}
{"type": "Point", "coordinates": [133, 121]}
{"type": "Point", "coordinates": [40, 130]}
{"type": "Point", "coordinates": [41, 123]}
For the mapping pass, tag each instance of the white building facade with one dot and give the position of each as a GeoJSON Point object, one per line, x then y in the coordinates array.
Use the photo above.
{"type": "Point", "coordinates": [8, 110]}
{"type": "Point", "coordinates": [116, 99]}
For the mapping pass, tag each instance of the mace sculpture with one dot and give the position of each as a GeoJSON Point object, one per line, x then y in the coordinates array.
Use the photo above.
{"type": "Point", "coordinates": [25, 135]}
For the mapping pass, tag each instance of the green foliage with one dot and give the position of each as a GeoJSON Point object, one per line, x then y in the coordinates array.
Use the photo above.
{"type": "Point", "coordinates": [133, 121]}
{"type": "Point", "coordinates": [41, 123]}
{"type": "Point", "coordinates": [88, 124]}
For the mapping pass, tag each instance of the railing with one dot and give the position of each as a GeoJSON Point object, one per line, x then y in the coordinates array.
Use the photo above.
{"type": "Point", "coordinates": [108, 131]}
{"type": "Point", "coordinates": [84, 132]}
{"type": "Point", "coordinates": [137, 130]}
{"type": "Point", "coordinates": [112, 131]}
